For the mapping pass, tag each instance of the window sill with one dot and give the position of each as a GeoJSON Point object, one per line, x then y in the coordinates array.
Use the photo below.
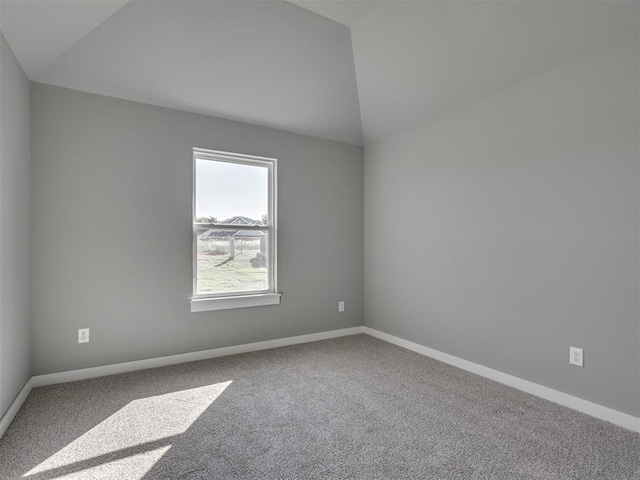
{"type": "Point", "coordinates": [224, 303]}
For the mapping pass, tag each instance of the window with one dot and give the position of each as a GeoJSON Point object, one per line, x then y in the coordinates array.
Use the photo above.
{"type": "Point", "coordinates": [234, 231]}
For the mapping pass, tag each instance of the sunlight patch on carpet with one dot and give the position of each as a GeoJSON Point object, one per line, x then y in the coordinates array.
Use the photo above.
{"type": "Point", "coordinates": [139, 434]}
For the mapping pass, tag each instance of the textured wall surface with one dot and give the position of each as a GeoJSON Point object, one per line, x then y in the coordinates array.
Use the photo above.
{"type": "Point", "coordinates": [508, 231]}
{"type": "Point", "coordinates": [112, 204]}
{"type": "Point", "coordinates": [15, 220]}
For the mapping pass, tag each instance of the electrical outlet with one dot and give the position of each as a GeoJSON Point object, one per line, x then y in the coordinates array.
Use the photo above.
{"type": "Point", "coordinates": [83, 335]}
{"type": "Point", "coordinates": [576, 356]}
{"type": "Point", "coordinates": [341, 306]}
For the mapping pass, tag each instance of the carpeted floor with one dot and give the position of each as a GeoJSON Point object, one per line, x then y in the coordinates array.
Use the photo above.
{"type": "Point", "coordinates": [353, 407]}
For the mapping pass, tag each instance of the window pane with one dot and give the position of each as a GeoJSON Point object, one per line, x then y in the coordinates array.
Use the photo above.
{"type": "Point", "coordinates": [231, 192]}
{"type": "Point", "coordinates": [232, 260]}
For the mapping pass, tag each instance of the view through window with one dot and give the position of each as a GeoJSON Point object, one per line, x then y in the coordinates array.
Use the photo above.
{"type": "Point", "coordinates": [234, 224]}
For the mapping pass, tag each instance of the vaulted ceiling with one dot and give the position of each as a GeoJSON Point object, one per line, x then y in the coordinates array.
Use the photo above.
{"type": "Point", "coordinates": [351, 71]}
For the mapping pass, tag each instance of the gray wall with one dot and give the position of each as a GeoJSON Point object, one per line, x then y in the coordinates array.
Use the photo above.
{"type": "Point", "coordinates": [508, 231]}
{"type": "Point", "coordinates": [15, 218]}
{"type": "Point", "coordinates": [112, 231]}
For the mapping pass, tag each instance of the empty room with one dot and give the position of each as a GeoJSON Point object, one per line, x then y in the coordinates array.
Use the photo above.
{"type": "Point", "coordinates": [351, 239]}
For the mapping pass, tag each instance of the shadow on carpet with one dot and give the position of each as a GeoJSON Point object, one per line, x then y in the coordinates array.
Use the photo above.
{"type": "Point", "coordinates": [353, 407]}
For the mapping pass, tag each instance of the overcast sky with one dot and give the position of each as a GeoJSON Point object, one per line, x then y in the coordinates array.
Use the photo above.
{"type": "Point", "coordinates": [225, 190]}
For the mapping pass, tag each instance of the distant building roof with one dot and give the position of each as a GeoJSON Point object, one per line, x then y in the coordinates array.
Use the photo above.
{"type": "Point", "coordinates": [241, 221]}
{"type": "Point", "coordinates": [211, 233]}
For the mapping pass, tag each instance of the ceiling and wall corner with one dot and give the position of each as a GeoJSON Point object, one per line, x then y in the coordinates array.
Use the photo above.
{"type": "Point", "coordinates": [345, 12]}
{"type": "Point", "coordinates": [41, 31]}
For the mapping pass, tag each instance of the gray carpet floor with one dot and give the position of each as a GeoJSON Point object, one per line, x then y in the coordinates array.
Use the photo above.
{"type": "Point", "coordinates": [353, 407]}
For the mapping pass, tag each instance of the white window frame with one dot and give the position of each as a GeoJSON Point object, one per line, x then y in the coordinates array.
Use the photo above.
{"type": "Point", "coordinates": [225, 300]}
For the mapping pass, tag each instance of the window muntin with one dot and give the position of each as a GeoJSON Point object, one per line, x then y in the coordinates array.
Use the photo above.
{"type": "Point", "coordinates": [234, 213]}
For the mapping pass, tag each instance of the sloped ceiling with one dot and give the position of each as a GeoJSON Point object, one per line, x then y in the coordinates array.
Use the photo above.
{"type": "Point", "coordinates": [350, 67]}
{"type": "Point", "coordinates": [417, 61]}
{"type": "Point", "coordinates": [267, 63]}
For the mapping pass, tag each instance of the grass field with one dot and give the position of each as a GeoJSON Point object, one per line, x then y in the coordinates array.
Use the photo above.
{"type": "Point", "coordinates": [218, 274]}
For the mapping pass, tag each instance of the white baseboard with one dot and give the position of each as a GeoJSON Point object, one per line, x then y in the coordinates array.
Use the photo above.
{"type": "Point", "coordinates": [13, 409]}
{"type": "Point", "coordinates": [604, 413]}
{"type": "Point", "coordinates": [93, 372]}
